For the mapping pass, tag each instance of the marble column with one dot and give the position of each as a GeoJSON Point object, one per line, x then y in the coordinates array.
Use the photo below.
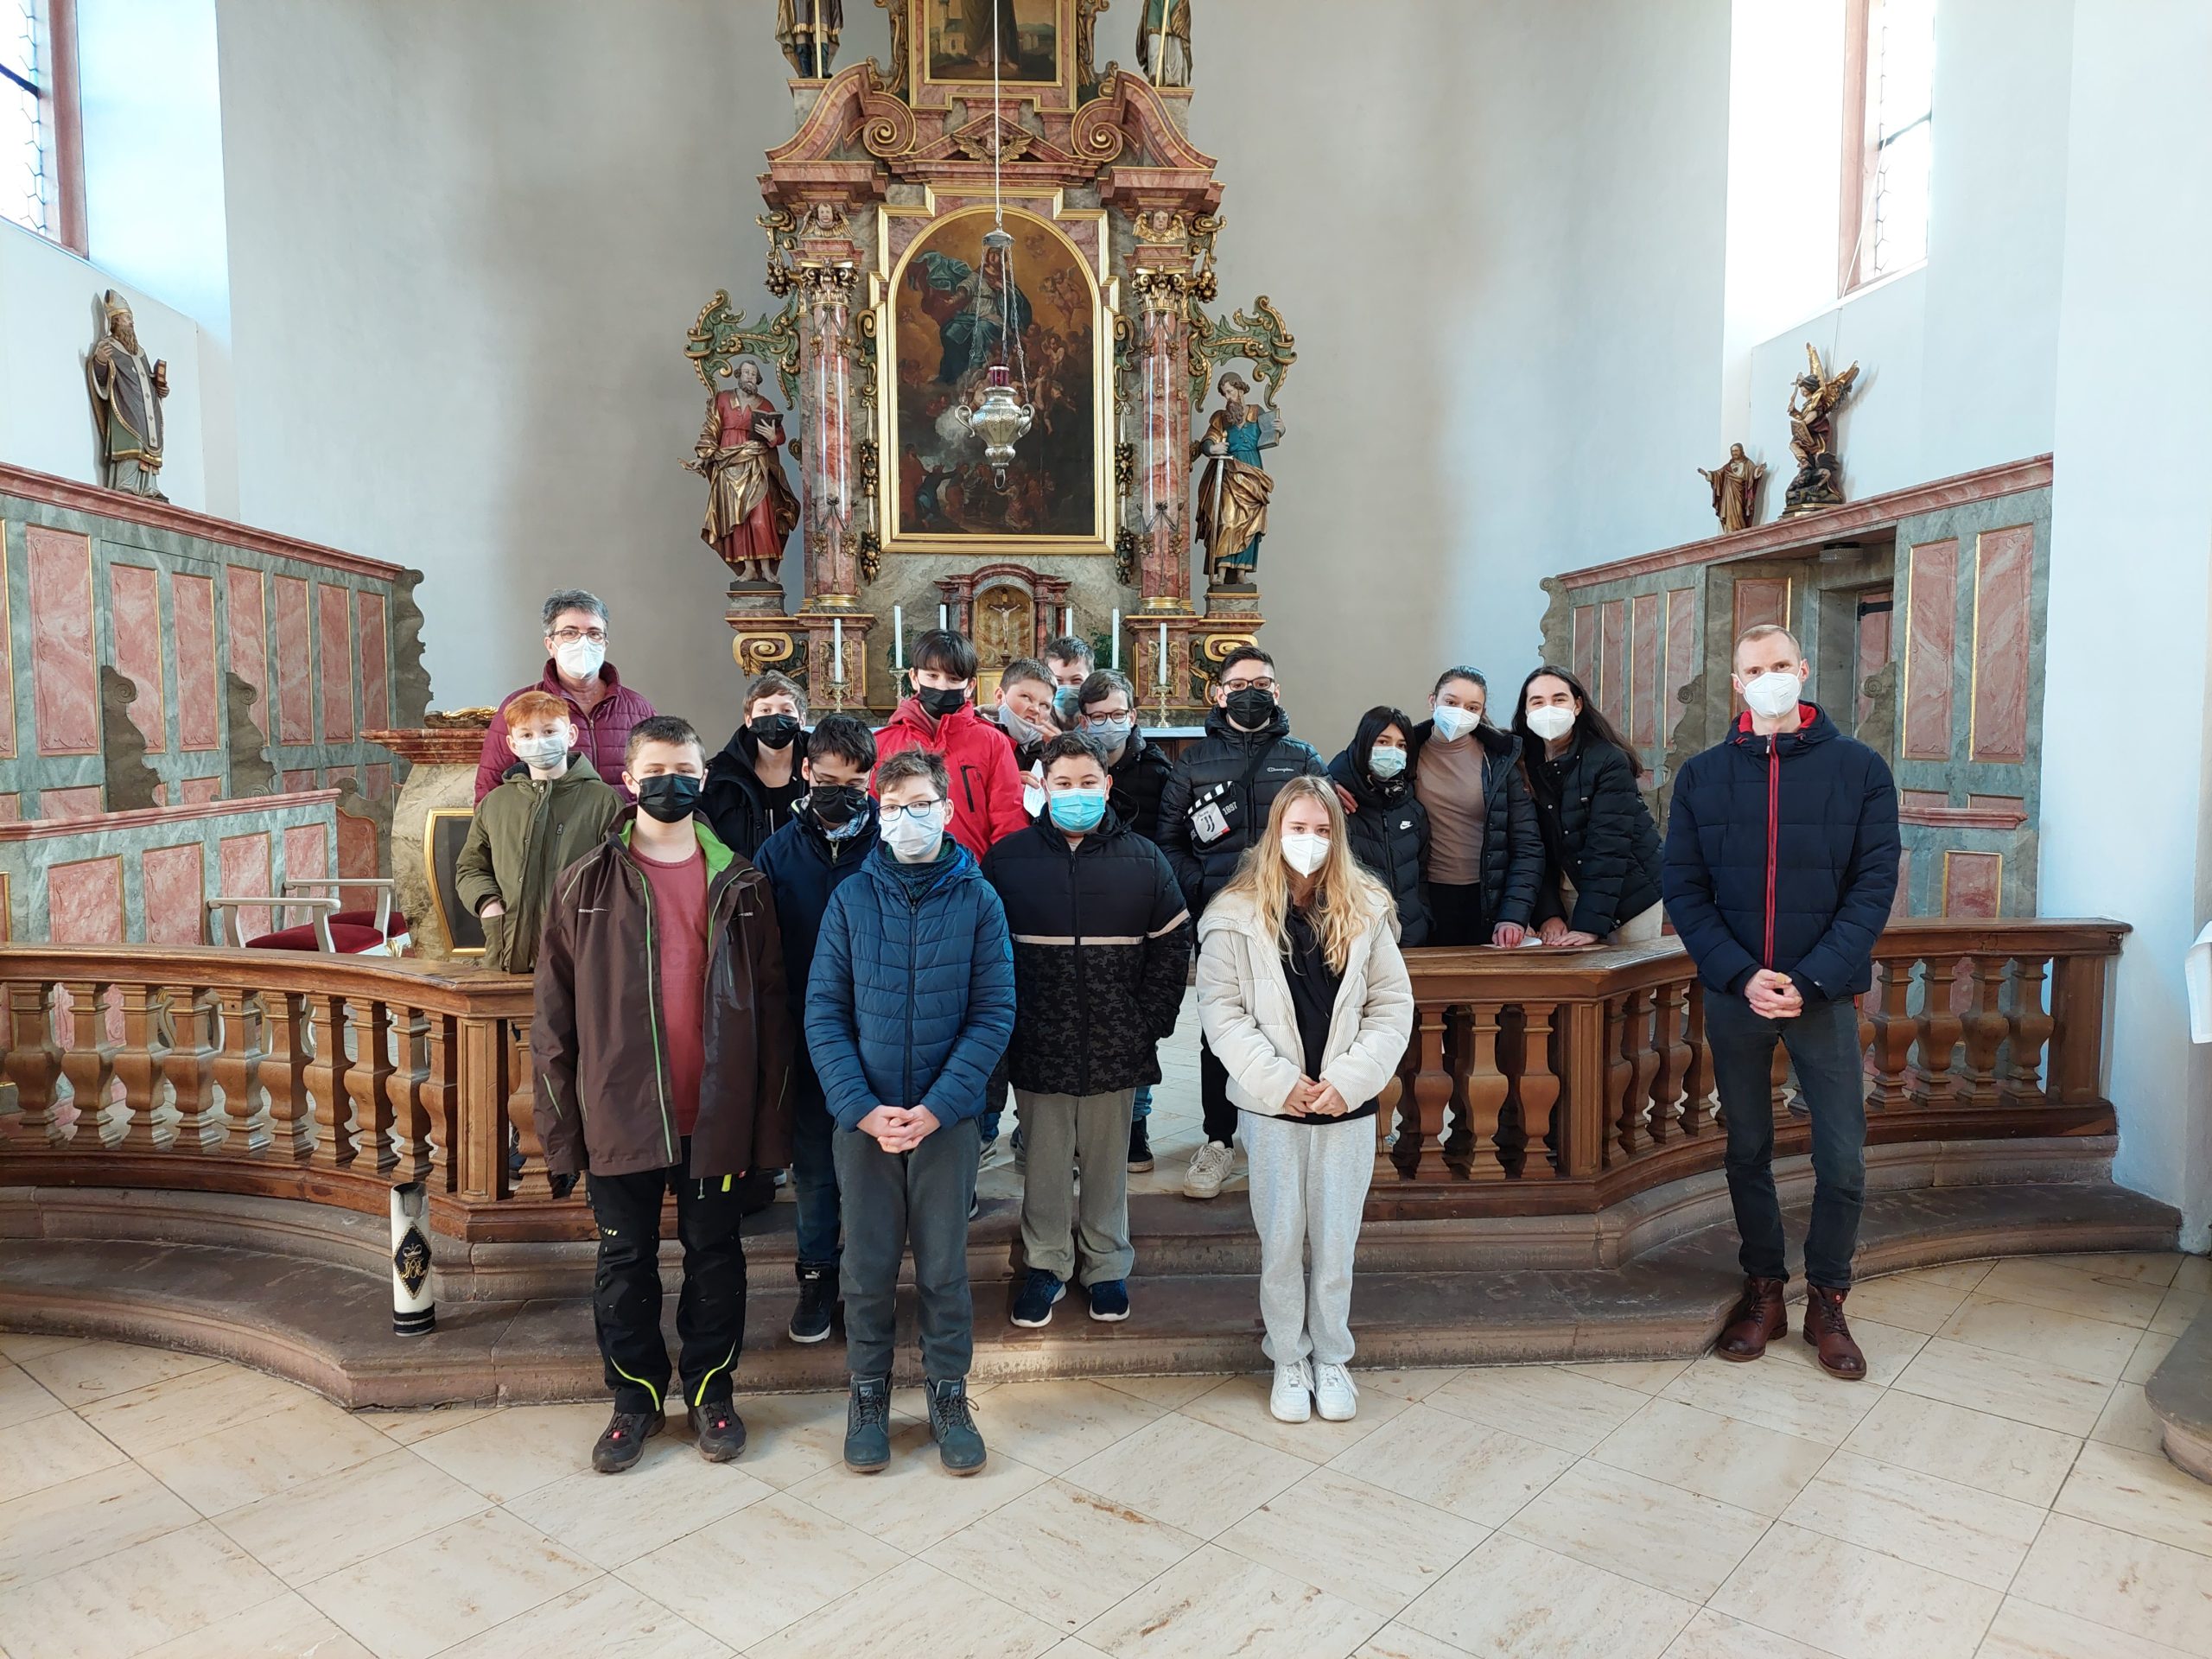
{"type": "Point", "coordinates": [1160, 278]}
{"type": "Point", "coordinates": [827, 272]}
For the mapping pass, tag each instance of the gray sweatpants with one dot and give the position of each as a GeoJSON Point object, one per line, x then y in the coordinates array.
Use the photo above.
{"type": "Point", "coordinates": [1062, 1136]}
{"type": "Point", "coordinates": [1308, 1185]}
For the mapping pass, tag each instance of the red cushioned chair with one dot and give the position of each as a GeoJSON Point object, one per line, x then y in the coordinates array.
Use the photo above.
{"type": "Point", "coordinates": [388, 925]}
{"type": "Point", "coordinates": [227, 923]}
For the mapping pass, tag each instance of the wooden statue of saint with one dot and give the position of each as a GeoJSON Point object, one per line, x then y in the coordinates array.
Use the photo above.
{"type": "Point", "coordinates": [1735, 484]}
{"type": "Point", "coordinates": [751, 510]}
{"type": "Point", "coordinates": [1164, 42]}
{"type": "Point", "coordinates": [807, 30]}
{"type": "Point", "coordinates": [127, 389]}
{"type": "Point", "coordinates": [1234, 490]}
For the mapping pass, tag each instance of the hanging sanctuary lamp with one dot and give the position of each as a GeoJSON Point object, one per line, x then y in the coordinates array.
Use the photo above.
{"type": "Point", "coordinates": [1002, 419]}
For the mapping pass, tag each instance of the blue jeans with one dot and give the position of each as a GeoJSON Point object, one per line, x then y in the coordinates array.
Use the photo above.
{"type": "Point", "coordinates": [1143, 1108]}
{"type": "Point", "coordinates": [1823, 1045]}
{"type": "Point", "coordinates": [814, 1170]}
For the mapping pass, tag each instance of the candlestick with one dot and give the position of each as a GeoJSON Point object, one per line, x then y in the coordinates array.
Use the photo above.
{"type": "Point", "coordinates": [1116, 664]}
{"type": "Point", "coordinates": [898, 637]}
{"type": "Point", "coordinates": [837, 650]}
{"type": "Point", "coordinates": [942, 625]}
{"type": "Point", "coordinates": [1163, 660]}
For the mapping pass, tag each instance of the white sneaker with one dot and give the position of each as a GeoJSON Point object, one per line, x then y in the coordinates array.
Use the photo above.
{"type": "Point", "coordinates": [1291, 1399]}
{"type": "Point", "coordinates": [1210, 1167]}
{"type": "Point", "coordinates": [1336, 1394]}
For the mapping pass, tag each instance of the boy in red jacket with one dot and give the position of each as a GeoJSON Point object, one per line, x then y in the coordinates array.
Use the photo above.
{"type": "Point", "coordinates": [940, 716]}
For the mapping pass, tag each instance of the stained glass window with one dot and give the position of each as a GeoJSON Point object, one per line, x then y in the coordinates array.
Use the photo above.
{"type": "Point", "coordinates": [28, 193]}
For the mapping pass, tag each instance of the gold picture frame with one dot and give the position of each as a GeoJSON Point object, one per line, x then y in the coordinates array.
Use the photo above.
{"type": "Point", "coordinates": [935, 62]}
{"type": "Point", "coordinates": [444, 830]}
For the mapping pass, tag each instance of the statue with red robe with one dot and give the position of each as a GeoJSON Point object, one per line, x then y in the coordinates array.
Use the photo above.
{"type": "Point", "coordinates": [751, 510]}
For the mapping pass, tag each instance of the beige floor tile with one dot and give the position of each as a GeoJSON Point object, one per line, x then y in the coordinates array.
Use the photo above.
{"type": "Point", "coordinates": [1055, 1426]}
{"type": "Point", "coordinates": [2177, 1310]}
{"type": "Point", "coordinates": [2136, 1267]}
{"type": "Point", "coordinates": [1354, 1539]}
{"type": "Point", "coordinates": [1911, 1304]}
{"type": "Point", "coordinates": [916, 1502]}
{"type": "Point", "coordinates": [1997, 1454]}
{"type": "Point", "coordinates": [284, 1628]}
{"type": "Point", "coordinates": [2023, 1630]}
{"type": "Point", "coordinates": [673, 1490]}
{"type": "Point", "coordinates": [755, 1572]}
{"type": "Point", "coordinates": [1961, 1530]}
{"type": "Point", "coordinates": [1855, 1603]}
{"type": "Point", "coordinates": [1061, 1554]}
{"type": "Point", "coordinates": [87, 1371]}
{"type": "Point", "coordinates": [1396, 1641]}
{"type": "Point", "coordinates": [135, 1599]}
{"type": "Point", "coordinates": [245, 1462]}
{"type": "Point", "coordinates": [2007, 1386]}
{"type": "Point", "coordinates": [63, 1447]}
{"type": "Point", "coordinates": [1212, 1599]}
{"type": "Point", "coordinates": [1753, 1468]}
{"type": "Point", "coordinates": [61, 1527]}
{"type": "Point", "coordinates": [319, 1526]}
{"type": "Point", "coordinates": [1168, 1393]}
{"type": "Point", "coordinates": [605, 1619]}
{"type": "Point", "coordinates": [1412, 1387]}
{"type": "Point", "coordinates": [1961, 1275]}
{"type": "Point", "coordinates": [913, 1603]}
{"type": "Point", "coordinates": [2194, 1273]}
{"type": "Point", "coordinates": [1542, 1403]}
{"type": "Point", "coordinates": [2146, 1588]}
{"type": "Point", "coordinates": [1644, 1376]}
{"type": "Point", "coordinates": [2054, 1283]}
{"type": "Point", "coordinates": [1716, 1636]}
{"type": "Point", "coordinates": [23, 1398]}
{"type": "Point", "coordinates": [1661, 1536]}
{"type": "Point", "coordinates": [16, 1346]}
{"type": "Point", "coordinates": [1512, 1600]}
{"type": "Point", "coordinates": [2089, 1347]}
{"type": "Point", "coordinates": [2149, 1353]}
{"type": "Point", "coordinates": [1477, 1473]}
{"type": "Point", "coordinates": [1240, 1405]}
{"type": "Point", "coordinates": [184, 1407]}
{"type": "Point", "coordinates": [1889, 1350]}
{"type": "Point", "coordinates": [1776, 1393]}
{"type": "Point", "coordinates": [2129, 1423]}
{"type": "Point", "coordinates": [791, 1437]}
{"type": "Point", "coordinates": [424, 1596]}
{"type": "Point", "coordinates": [408, 1426]}
{"type": "Point", "coordinates": [2138, 1493]}
{"type": "Point", "coordinates": [517, 1450]}
{"type": "Point", "coordinates": [1070, 1647]}
{"type": "Point", "coordinates": [1190, 1474]}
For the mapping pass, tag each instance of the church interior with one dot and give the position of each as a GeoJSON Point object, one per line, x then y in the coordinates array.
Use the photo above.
{"type": "Point", "coordinates": [779, 337]}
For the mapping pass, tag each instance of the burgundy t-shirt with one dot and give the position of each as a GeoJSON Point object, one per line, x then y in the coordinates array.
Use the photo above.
{"type": "Point", "coordinates": [680, 942]}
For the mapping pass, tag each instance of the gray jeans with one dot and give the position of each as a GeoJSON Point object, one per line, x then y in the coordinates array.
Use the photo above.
{"type": "Point", "coordinates": [1063, 1136]}
{"type": "Point", "coordinates": [1309, 1184]}
{"type": "Point", "coordinates": [898, 1201]}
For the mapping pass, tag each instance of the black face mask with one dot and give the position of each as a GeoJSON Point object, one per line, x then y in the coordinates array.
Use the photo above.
{"type": "Point", "coordinates": [835, 805]}
{"type": "Point", "coordinates": [938, 701]}
{"type": "Point", "coordinates": [1250, 707]}
{"type": "Point", "coordinates": [774, 731]}
{"type": "Point", "coordinates": [670, 797]}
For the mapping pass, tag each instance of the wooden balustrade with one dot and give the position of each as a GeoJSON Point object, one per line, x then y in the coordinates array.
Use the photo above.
{"type": "Point", "coordinates": [1535, 1082]}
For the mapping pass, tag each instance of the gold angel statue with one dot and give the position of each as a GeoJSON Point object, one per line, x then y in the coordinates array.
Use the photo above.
{"type": "Point", "coordinates": [1814, 397]}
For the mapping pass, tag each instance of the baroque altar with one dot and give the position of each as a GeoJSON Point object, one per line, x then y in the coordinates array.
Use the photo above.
{"type": "Point", "coordinates": [992, 214]}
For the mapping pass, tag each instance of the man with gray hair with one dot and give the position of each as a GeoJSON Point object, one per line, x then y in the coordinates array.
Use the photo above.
{"type": "Point", "coordinates": [576, 672]}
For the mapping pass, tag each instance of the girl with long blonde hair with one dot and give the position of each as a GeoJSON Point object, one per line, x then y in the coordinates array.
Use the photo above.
{"type": "Point", "coordinates": [1304, 996]}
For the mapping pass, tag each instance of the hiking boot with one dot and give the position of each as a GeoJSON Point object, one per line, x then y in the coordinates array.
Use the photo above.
{"type": "Point", "coordinates": [1756, 1319]}
{"type": "Point", "coordinates": [1033, 1303]}
{"type": "Point", "coordinates": [622, 1442]}
{"type": "Point", "coordinates": [1210, 1167]}
{"type": "Point", "coordinates": [1109, 1301]}
{"type": "Point", "coordinates": [817, 1296]}
{"type": "Point", "coordinates": [952, 1426]}
{"type": "Point", "coordinates": [1139, 1148]}
{"type": "Point", "coordinates": [867, 1425]}
{"type": "Point", "coordinates": [719, 1430]}
{"type": "Point", "coordinates": [1291, 1400]}
{"type": "Point", "coordinates": [1838, 1355]}
{"type": "Point", "coordinates": [1336, 1396]}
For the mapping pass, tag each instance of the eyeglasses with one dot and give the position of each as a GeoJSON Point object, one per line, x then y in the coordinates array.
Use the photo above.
{"type": "Point", "coordinates": [919, 813]}
{"type": "Point", "coordinates": [1249, 685]}
{"type": "Point", "coordinates": [569, 636]}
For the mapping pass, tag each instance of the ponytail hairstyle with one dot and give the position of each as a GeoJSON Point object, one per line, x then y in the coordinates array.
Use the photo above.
{"type": "Point", "coordinates": [1346, 900]}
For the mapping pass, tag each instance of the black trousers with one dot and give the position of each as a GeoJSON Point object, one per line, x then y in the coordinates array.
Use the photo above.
{"type": "Point", "coordinates": [1455, 915]}
{"type": "Point", "coordinates": [626, 1294]}
{"type": "Point", "coordinates": [896, 1202]}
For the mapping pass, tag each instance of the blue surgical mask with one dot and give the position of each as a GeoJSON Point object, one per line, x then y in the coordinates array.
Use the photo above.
{"type": "Point", "coordinates": [1066, 703]}
{"type": "Point", "coordinates": [1076, 811]}
{"type": "Point", "coordinates": [1385, 762]}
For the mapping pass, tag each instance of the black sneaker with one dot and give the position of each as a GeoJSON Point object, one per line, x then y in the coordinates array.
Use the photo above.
{"type": "Point", "coordinates": [1139, 1147]}
{"type": "Point", "coordinates": [952, 1426]}
{"type": "Point", "coordinates": [623, 1440]}
{"type": "Point", "coordinates": [1033, 1303]}
{"type": "Point", "coordinates": [867, 1425]}
{"type": "Point", "coordinates": [817, 1298]}
{"type": "Point", "coordinates": [1109, 1301]}
{"type": "Point", "coordinates": [720, 1430]}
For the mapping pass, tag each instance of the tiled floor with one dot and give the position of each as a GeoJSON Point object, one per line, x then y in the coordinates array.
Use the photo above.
{"type": "Point", "coordinates": [1994, 1490]}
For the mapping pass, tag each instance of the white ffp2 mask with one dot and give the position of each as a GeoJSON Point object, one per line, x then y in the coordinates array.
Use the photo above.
{"type": "Point", "coordinates": [1773, 694]}
{"type": "Point", "coordinates": [1551, 722]}
{"type": "Point", "coordinates": [1305, 853]}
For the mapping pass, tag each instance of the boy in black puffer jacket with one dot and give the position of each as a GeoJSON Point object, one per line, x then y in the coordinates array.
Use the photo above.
{"type": "Point", "coordinates": [1388, 826]}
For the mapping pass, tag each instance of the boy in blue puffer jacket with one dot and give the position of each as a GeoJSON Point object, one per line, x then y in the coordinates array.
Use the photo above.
{"type": "Point", "coordinates": [909, 1004]}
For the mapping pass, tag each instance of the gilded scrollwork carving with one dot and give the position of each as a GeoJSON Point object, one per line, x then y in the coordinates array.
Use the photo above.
{"type": "Point", "coordinates": [891, 81]}
{"type": "Point", "coordinates": [719, 337]}
{"type": "Point", "coordinates": [1258, 337]}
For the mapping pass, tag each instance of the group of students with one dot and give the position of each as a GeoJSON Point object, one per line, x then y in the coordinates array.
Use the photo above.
{"type": "Point", "coordinates": [834, 950]}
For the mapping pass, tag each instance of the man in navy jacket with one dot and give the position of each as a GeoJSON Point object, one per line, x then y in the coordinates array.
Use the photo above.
{"type": "Point", "coordinates": [1781, 866]}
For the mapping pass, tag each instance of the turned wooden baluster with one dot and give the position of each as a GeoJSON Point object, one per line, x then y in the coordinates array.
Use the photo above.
{"type": "Point", "coordinates": [1697, 1073]}
{"type": "Point", "coordinates": [1936, 1037]}
{"type": "Point", "coordinates": [1894, 1030]}
{"type": "Point", "coordinates": [1630, 1073]}
{"type": "Point", "coordinates": [188, 1068]}
{"type": "Point", "coordinates": [33, 1063]}
{"type": "Point", "coordinates": [410, 1072]}
{"type": "Point", "coordinates": [1476, 1154]}
{"type": "Point", "coordinates": [1539, 1089]}
{"type": "Point", "coordinates": [328, 1064]}
{"type": "Point", "coordinates": [1459, 1138]}
{"type": "Point", "coordinates": [440, 1105]}
{"type": "Point", "coordinates": [1982, 1029]}
{"type": "Point", "coordinates": [87, 1060]}
{"type": "Point", "coordinates": [368, 1080]}
{"type": "Point", "coordinates": [522, 1113]}
{"type": "Point", "coordinates": [238, 1069]}
{"type": "Point", "coordinates": [2030, 1024]}
{"type": "Point", "coordinates": [1514, 1132]}
{"type": "Point", "coordinates": [282, 1074]}
{"type": "Point", "coordinates": [1419, 1151]}
{"type": "Point", "coordinates": [1671, 1051]}
{"type": "Point", "coordinates": [140, 1118]}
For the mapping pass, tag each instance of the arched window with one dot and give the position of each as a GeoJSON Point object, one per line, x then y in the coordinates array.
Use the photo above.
{"type": "Point", "coordinates": [1889, 96]}
{"type": "Point", "coordinates": [41, 164]}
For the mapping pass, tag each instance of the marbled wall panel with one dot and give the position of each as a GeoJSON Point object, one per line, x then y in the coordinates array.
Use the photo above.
{"type": "Point", "coordinates": [7, 657]}
{"type": "Point", "coordinates": [376, 778]}
{"type": "Point", "coordinates": [1922, 800]}
{"type": "Point", "coordinates": [200, 789]}
{"type": "Point", "coordinates": [135, 625]}
{"type": "Point", "coordinates": [65, 671]}
{"type": "Point", "coordinates": [1760, 600]}
{"type": "Point", "coordinates": [12, 808]}
{"type": "Point", "coordinates": [1644, 670]}
{"type": "Point", "coordinates": [294, 664]}
{"type": "Point", "coordinates": [376, 661]}
{"type": "Point", "coordinates": [243, 863]}
{"type": "Point", "coordinates": [304, 777]}
{"type": "Point", "coordinates": [1585, 644]}
{"type": "Point", "coordinates": [1612, 688]}
{"type": "Point", "coordinates": [307, 852]}
{"type": "Point", "coordinates": [175, 894]}
{"type": "Point", "coordinates": [1972, 883]}
{"type": "Point", "coordinates": [85, 801]}
{"type": "Point", "coordinates": [249, 627]}
{"type": "Point", "coordinates": [1681, 657]}
{"type": "Point", "coordinates": [2004, 579]}
{"type": "Point", "coordinates": [84, 901]}
{"type": "Point", "coordinates": [334, 668]}
{"type": "Point", "coordinates": [1902, 905]}
{"type": "Point", "coordinates": [357, 853]}
{"type": "Point", "coordinates": [1931, 629]}
{"type": "Point", "coordinates": [1873, 654]}
{"type": "Point", "coordinates": [199, 687]}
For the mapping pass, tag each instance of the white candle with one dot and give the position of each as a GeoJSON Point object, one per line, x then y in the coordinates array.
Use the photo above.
{"type": "Point", "coordinates": [1163, 657]}
{"type": "Point", "coordinates": [941, 623]}
{"type": "Point", "coordinates": [898, 637]}
{"type": "Point", "coordinates": [1067, 622]}
{"type": "Point", "coordinates": [1116, 664]}
{"type": "Point", "coordinates": [837, 650]}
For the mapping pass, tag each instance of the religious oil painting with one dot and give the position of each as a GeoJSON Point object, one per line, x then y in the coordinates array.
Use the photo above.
{"type": "Point", "coordinates": [961, 34]}
{"type": "Point", "coordinates": [945, 336]}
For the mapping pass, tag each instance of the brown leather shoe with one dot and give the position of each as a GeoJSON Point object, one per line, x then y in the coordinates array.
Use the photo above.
{"type": "Point", "coordinates": [1756, 1319]}
{"type": "Point", "coordinates": [1831, 1337]}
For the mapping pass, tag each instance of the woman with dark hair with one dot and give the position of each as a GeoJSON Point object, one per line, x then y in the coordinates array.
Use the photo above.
{"type": "Point", "coordinates": [1388, 826]}
{"type": "Point", "coordinates": [1601, 864]}
{"type": "Point", "coordinates": [1485, 857]}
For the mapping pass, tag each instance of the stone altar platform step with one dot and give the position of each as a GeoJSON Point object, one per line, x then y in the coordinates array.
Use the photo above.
{"type": "Point", "coordinates": [2179, 1394]}
{"type": "Point", "coordinates": [325, 1321]}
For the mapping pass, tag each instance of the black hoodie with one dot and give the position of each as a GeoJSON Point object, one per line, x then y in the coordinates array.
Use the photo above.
{"type": "Point", "coordinates": [1389, 835]}
{"type": "Point", "coordinates": [1239, 774]}
{"type": "Point", "coordinates": [743, 810]}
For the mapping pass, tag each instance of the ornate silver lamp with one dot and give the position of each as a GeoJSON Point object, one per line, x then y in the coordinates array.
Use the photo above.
{"type": "Point", "coordinates": [1004, 416]}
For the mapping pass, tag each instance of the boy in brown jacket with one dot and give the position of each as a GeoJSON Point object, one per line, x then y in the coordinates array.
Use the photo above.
{"type": "Point", "coordinates": [663, 1042]}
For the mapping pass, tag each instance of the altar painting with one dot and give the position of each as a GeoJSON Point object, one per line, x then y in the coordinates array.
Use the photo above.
{"type": "Point", "coordinates": [958, 46]}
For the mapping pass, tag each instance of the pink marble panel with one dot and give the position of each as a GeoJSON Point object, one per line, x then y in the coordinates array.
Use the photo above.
{"type": "Point", "coordinates": [357, 853]}
{"type": "Point", "coordinates": [1585, 644]}
{"type": "Point", "coordinates": [243, 861]}
{"type": "Point", "coordinates": [1972, 883]}
{"type": "Point", "coordinates": [376, 779]}
{"type": "Point", "coordinates": [1644, 669]}
{"type": "Point", "coordinates": [2004, 572]}
{"type": "Point", "coordinates": [307, 852]}
{"type": "Point", "coordinates": [1612, 688]}
{"type": "Point", "coordinates": [84, 901]}
{"type": "Point", "coordinates": [1760, 600]}
{"type": "Point", "coordinates": [82, 802]}
{"type": "Point", "coordinates": [334, 661]}
{"type": "Point", "coordinates": [135, 625]}
{"type": "Point", "coordinates": [303, 779]}
{"type": "Point", "coordinates": [199, 687]}
{"type": "Point", "coordinates": [1681, 657]}
{"type": "Point", "coordinates": [175, 894]}
{"type": "Point", "coordinates": [65, 675]}
{"type": "Point", "coordinates": [1922, 800]}
{"type": "Point", "coordinates": [295, 669]}
{"type": "Point", "coordinates": [201, 789]}
{"type": "Point", "coordinates": [1902, 905]}
{"type": "Point", "coordinates": [12, 809]}
{"type": "Point", "coordinates": [376, 662]}
{"type": "Point", "coordinates": [249, 628]}
{"type": "Point", "coordinates": [1873, 652]}
{"type": "Point", "coordinates": [1931, 630]}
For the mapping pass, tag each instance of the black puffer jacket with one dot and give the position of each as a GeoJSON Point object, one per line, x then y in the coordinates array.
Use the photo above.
{"type": "Point", "coordinates": [1513, 846]}
{"type": "Point", "coordinates": [743, 810]}
{"type": "Point", "coordinates": [1598, 833]}
{"type": "Point", "coordinates": [1782, 853]}
{"type": "Point", "coordinates": [1138, 779]}
{"type": "Point", "coordinates": [1212, 773]}
{"type": "Point", "coordinates": [1102, 944]}
{"type": "Point", "coordinates": [1389, 835]}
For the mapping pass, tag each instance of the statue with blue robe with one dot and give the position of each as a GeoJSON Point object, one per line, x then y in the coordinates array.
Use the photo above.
{"type": "Point", "coordinates": [1234, 490]}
